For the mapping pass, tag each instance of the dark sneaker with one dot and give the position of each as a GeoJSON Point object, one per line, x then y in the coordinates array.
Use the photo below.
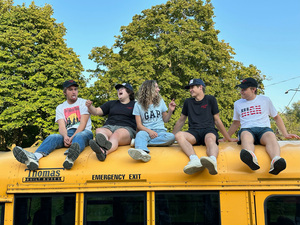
{"type": "Point", "coordinates": [277, 166]}
{"type": "Point", "coordinates": [100, 152]}
{"type": "Point", "coordinates": [102, 141]}
{"type": "Point", "coordinates": [193, 166]}
{"type": "Point", "coordinates": [25, 157]}
{"type": "Point", "coordinates": [249, 158]}
{"type": "Point", "coordinates": [209, 164]}
{"type": "Point", "coordinates": [139, 154]}
{"type": "Point", "coordinates": [73, 153]}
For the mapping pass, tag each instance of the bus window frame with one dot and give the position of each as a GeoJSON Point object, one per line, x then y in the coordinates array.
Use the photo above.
{"type": "Point", "coordinates": [2, 209]}
{"type": "Point", "coordinates": [193, 192]}
{"type": "Point", "coordinates": [115, 194]}
{"type": "Point", "coordinates": [261, 198]}
{"type": "Point", "coordinates": [41, 195]}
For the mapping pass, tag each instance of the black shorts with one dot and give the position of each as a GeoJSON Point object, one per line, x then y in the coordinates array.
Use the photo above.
{"type": "Point", "coordinates": [200, 134]}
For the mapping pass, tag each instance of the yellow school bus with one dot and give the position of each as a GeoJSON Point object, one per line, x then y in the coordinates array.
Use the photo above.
{"type": "Point", "coordinates": [123, 191]}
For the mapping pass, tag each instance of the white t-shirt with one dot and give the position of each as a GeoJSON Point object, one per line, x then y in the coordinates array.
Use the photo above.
{"type": "Point", "coordinates": [71, 113]}
{"type": "Point", "coordinates": [254, 113]}
{"type": "Point", "coordinates": [152, 118]}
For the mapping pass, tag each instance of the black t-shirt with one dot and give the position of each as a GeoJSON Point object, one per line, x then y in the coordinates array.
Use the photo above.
{"type": "Point", "coordinates": [200, 113]}
{"type": "Point", "coordinates": [119, 114]}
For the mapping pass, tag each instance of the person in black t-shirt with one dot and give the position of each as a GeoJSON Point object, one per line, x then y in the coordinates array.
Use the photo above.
{"type": "Point", "coordinates": [203, 115]}
{"type": "Point", "coordinates": [120, 126]}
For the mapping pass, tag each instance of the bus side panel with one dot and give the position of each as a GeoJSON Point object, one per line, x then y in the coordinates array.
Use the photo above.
{"type": "Point", "coordinates": [8, 214]}
{"type": "Point", "coordinates": [79, 208]}
{"type": "Point", "coordinates": [235, 208]}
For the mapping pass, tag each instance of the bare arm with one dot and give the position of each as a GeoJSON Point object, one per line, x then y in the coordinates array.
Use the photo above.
{"type": "Point", "coordinates": [82, 125]}
{"type": "Point", "coordinates": [140, 127]}
{"type": "Point", "coordinates": [219, 124]}
{"type": "Point", "coordinates": [92, 109]}
{"type": "Point", "coordinates": [63, 132]}
{"type": "Point", "coordinates": [234, 126]}
{"type": "Point", "coordinates": [179, 124]}
{"type": "Point", "coordinates": [282, 128]}
{"type": "Point", "coordinates": [167, 115]}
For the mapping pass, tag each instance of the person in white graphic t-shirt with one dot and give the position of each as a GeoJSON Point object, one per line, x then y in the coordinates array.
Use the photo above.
{"type": "Point", "coordinates": [74, 126]}
{"type": "Point", "coordinates": [252, 112]}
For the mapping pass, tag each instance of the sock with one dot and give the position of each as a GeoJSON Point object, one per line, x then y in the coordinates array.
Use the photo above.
{"type": "Point", "coordinates": [275, 158]}
{"type": "Point", "coordinates": [193, 157]}
{"type": "Point", "coordinates": [38, 155]}
{"type": "Point", "coordinates": [213, 158]}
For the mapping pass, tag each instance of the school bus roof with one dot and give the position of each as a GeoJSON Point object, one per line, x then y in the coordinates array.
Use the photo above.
{"type": "Point", "coordinates": [163, 172]}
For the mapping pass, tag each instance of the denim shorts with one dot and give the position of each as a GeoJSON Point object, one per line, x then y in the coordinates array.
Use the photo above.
{"type": "Point", "coordinates": [199, 134]}
{"type": "Point", "coordinates": [257, 133]}
{"type": "Point", "coordinates": [113, 128]}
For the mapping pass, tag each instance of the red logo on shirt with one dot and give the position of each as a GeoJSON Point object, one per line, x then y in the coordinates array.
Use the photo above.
{"type": "Point", "coordinates": [252, 110]}
{"type": "Point", "coordinates": [203, 106]}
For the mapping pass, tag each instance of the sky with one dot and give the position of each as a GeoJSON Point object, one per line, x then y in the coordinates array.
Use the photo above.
{"type": "Point", "coordinates": [264, 33]}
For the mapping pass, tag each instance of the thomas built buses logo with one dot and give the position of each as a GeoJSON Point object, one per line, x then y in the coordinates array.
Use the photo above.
{"type": "Point", "coordinates": [43, 175]}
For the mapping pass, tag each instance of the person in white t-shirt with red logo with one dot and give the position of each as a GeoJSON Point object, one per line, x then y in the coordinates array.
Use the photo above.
{"type": "Point", "coordinates": [252, 112]}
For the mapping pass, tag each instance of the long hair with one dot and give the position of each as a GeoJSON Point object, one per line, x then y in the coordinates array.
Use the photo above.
{"type": "Point", "coordinates": [147, 94]}
{"type": "Point", "coordinates": [130, 93]}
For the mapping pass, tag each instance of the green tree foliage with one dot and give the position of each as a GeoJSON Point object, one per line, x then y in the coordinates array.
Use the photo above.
{"type": "Point", "coordinates": [291, 119]}
{"type": "Point", "coordinates": [172, 43]}
{"type": "Point", "coordinates": [34, 62]}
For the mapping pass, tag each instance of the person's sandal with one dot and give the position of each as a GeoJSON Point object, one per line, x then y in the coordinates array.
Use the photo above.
{"type": "Point", "coordinates": [100, 152]}
{"type": "Point", "coordinates": [102, 141]}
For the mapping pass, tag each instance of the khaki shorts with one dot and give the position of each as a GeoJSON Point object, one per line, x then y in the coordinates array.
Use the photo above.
{"type": "Point", "coordinates": [113, 128]}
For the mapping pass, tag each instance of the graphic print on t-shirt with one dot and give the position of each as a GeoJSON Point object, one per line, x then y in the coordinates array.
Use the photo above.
{"type": "Point", "coordinates": [152, 114]}
{"type": "Point", "coordinates": [252, 110]}
{"type": "Point", "coordinates": [72, 116]}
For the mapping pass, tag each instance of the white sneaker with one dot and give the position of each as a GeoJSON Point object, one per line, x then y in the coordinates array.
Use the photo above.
{"type": "Point", "coordinates": [27, 158]}
{"type": "Point", "coordinates": [210, 164]}
{"type": "Point", "coordinates": [132, 142]}
{"type": "Point", "coordinates": [139, 154]}
{"type": "Point", "coordinates": [193, 166]}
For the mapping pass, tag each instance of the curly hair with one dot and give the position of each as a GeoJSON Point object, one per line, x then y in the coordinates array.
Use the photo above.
{"type": "Point", "coordinates": [147, 94]}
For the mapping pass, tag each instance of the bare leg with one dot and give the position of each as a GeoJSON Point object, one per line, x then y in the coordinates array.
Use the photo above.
{"type": "Point", "coordinates": [247, 141]}
{"type": "Point", "coordinates": [272, 147]}
{"type": "Point", "coordinates": [212, 148]}
{"type": "Point", "coordinates": [119, 137]}
{"type": "Point", "coordinates": [186, 141]}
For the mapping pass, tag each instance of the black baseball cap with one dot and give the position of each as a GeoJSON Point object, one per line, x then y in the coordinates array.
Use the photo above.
{"type": "Point", "coordinates": [125, 85]}
{"type": "Point", "coordinates": [247, 82]}
{"type": "Point", "coordinates": [194, 82]}
{"type": "Point", "coordinates": [69, 83]}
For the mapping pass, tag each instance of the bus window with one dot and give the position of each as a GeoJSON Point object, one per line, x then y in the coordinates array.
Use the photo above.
{"type": "Point", "coordinates": [187, 208]}
{"type": "Point", "coordinates": [44, 209]}
{"type": "Point", "coordinates": [282, 210]}
{"type": "Point", "coordinates": [1, 214]}
{"type": "Point", "coordinates": [115, 208]}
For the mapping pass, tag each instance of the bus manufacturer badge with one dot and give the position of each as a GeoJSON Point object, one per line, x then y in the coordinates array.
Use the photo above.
{"type": "Point", "coordinates": [44, 175]}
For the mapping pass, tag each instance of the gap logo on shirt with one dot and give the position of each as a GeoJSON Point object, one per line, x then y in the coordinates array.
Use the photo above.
{"type": "Point", "coordinates": [152, 114]}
